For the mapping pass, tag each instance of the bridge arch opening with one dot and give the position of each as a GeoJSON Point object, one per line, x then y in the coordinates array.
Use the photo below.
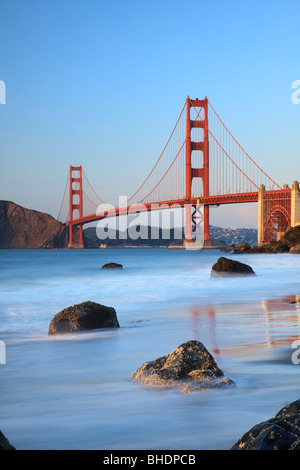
{"type": "Point", "coordinates": [277, 221]}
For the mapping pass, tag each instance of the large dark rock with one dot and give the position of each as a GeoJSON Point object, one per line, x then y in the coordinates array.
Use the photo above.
{"type": "Point", "coordinates": [81, 317]}
{"type": "Point", "coordinates": [4, 443]}
{"type": "Point", "coordinates": [279, 433]}
{"type": "Point", "coordinates": [189, 367]}
{"type": "Point", "coordinates": [229, 267]}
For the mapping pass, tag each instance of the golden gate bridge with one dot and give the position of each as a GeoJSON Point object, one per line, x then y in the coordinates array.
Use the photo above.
{"type": "Point", "coordinates": [201, 165]}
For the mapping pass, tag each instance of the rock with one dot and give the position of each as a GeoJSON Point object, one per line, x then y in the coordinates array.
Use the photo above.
{"type": "Point", "coordinates": [295, 249]}
{"type": "Point", "coordinates": [271, 247]}
{"type": "Point", "coordinates": [81, 317]}
{"type": "Point", "coordinates": [279, 433]}
{"type": "Point", "coordinates": [112, 266]}
{"type": "Point", "coordinates": [241, 248]}
{"type": "Point", "coordinates": [225, 267]}
{"type": "Point", "coordinates": [230, 247]}
{"type": "Point", "coordinates": [258, 249]}
{"type": "Point", "coordinates": [189, 367]}
{"type": "Point", "coordinates": [4, 443]}
{"type": "Point", "coordinates": [282, 248]}
{"type": "Point", "coordinates": [291, 236]}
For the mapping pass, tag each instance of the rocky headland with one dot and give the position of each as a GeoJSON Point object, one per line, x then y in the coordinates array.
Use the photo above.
{"type": "Point", "coordinates": [26, 228]}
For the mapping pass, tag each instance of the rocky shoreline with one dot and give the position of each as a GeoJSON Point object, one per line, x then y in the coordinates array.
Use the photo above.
{"type": "Point", "coordinates": [288, 243]}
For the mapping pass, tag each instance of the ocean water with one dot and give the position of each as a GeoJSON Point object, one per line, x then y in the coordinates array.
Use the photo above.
{"type": "Point", "coordinates": [76, 391]}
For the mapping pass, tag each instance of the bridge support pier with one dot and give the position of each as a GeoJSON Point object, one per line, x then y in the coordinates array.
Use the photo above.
{"type": "Point", "coordinates": [75, 236]}
{"type": "Point", "coordinates": [197, 224]}
{"type": "Point", "coordinates": [295, 205]}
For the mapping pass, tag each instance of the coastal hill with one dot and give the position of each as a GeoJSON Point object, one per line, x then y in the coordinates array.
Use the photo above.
{"type": "Point", "coordinates": [221, 237]}
{"type": "Point", "coordinates": [26, 228]}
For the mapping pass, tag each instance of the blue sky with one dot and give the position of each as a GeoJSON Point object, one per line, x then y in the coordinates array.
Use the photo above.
{"type": "Point", "coordinates": [101, 83]}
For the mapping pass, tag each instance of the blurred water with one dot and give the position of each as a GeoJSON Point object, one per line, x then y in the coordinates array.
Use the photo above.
{"type": "Point", "coordinates": [76, 392]}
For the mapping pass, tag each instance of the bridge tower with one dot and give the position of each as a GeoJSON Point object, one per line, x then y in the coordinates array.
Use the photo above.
{"type": "Point", "coordinates": [75, 204]}
{"type": "Point", "coordinates": [191, 172]}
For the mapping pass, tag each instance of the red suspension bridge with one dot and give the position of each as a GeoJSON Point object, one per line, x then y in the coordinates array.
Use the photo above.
{"type": "Point", "coordinates": [202, 164]}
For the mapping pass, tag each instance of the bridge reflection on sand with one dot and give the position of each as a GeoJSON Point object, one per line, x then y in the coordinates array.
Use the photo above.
{"type": "Point", "coordinates": [248, 331]}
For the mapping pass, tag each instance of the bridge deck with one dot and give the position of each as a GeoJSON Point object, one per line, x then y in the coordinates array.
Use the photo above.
{"type": "Point", "coordinates": [209, 200]}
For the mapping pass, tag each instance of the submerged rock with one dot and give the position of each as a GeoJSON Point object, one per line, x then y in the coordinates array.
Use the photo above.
{"type": "Point", "coordinates": [112, 266]}
{"type": "Point", "coordinates": [279, 433]}
{"type": "Point", "coordinates": [189, 367]}
{"type": "Point", "coordinates": [225, 267]}
{"type": "Point", "coordinates": [81, 317]}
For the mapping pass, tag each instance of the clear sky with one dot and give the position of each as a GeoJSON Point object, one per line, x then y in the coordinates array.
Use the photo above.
{"type": "Point", "coordinates": [101, 84]}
